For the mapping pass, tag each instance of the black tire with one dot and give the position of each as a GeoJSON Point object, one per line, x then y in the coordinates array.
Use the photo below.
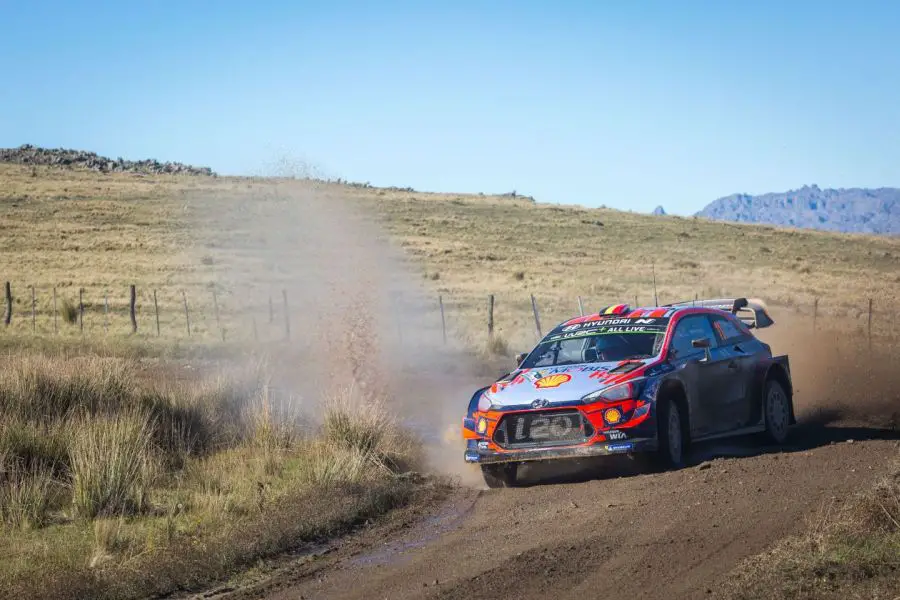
{"type": "Point", "coordinates": [670, 454]}
{"type": "Point", "coordinates": [500, 475]}
{"type": "Point", "coordinates": [776, 411]}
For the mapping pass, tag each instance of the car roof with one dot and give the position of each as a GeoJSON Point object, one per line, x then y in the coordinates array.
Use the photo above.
{"type": "Point", "coordinates": [624, 311]}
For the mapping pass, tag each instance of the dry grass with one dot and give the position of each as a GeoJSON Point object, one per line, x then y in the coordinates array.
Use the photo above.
{"type": "Point", "coordinates": [219, 473]}
{"type": "Point", "coordinates": [852, 551]}
{"type": "Point", "coordinates": [105, 232]}
{"type": "Point", "coordinates": [112, 485]}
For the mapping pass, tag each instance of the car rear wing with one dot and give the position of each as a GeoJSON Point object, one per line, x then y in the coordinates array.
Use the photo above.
{"type": "Point", "coordinates": [752, 312]}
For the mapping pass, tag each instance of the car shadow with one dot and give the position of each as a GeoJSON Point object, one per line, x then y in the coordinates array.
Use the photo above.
{"type": "Point", "coordinates": [805, 436]}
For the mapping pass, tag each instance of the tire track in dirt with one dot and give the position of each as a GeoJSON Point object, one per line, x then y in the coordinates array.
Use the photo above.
{"type": "Point", "coordinates": [666, 535]}
{"type": "Point", "coordinates": [608, 530]}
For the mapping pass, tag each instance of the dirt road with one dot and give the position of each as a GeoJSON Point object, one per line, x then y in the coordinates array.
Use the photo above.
{"type": "Point", "coordinates": [598, 534]}
{"type": "Point", "coordinates": [608, 530]}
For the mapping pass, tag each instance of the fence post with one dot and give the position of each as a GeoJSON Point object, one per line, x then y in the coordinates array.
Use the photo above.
{"type": "Point", "coordinates": [187, 314]}
{"type": "Point", "coordinates": [55, 313]}
{"type": "Point", "coordinates": [581, 306]}
{"type": "Point", "coordinates": [156, 310]}
{"type": "Point", "coordinates": [9, 302]}
{"type": "Point", "coordinates": [491, 318]}
{"type": "Point", "coordinates": [255, 331]}
{"type": "Point", "coordinates": [287, 317]}
{"type": "Point", "coordinates": [537, 319]}
{"type": "Point", "coordinates": [105, 313]}
{"type": "Point", "coordinates": [33, 310]}
{"type": "Point", "coordinates": [635, 301]}
{"type": "Point", "coordinates": [216, 308]}
{"type": "Point", "coordinates": [815, 313]}
{"type": "Point", "coordinates": [271, 310]}
{"type": "Point", "coordinates": [443, 320]}
{"type": "Point", "coordinates": [870, 324]}
{"type": "Point", "coordinates": [133, 308]}
{"type": "Point", "coordinates": [81, 310]}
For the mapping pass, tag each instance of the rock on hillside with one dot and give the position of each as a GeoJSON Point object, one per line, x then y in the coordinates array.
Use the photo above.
{"type": "Point", "coordinates": [79, 159]}
{"type": "Point", "coordinates": [855, 210]}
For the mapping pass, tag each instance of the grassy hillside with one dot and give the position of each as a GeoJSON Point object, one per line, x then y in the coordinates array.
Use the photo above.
{"type": "Point", "coordinates": [228, 247]}
{"type": "Point", "coordinates": [104, 232]}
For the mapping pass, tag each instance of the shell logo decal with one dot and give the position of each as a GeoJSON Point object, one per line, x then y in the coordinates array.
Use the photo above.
{"type": "Point", "coordinates": [552, 381]}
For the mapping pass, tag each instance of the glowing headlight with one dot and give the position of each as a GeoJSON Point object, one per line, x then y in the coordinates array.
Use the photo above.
{"type": "Point", "coordinates": [623, 391]}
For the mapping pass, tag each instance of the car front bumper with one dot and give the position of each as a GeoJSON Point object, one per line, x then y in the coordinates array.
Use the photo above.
{"type": "Point", "coordinates": [484, 455]}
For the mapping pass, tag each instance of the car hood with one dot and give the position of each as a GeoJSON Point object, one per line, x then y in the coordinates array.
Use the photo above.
{"type": "Point", "coordinates": [560, 385]}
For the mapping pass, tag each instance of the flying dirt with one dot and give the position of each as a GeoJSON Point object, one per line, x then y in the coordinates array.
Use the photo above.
{"type": "Point", "coordinates": [600, 529]}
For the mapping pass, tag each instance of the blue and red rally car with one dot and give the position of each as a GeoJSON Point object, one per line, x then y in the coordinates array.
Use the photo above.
{"type": "Point", "coordinates": [633, 380]}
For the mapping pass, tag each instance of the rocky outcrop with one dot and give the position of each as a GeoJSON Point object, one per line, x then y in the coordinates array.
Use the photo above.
{"type": "Point", "coordinates": [90, 161]}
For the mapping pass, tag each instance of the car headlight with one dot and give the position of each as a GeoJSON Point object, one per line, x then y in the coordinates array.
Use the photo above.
{"type": "Point", "coordinates": [485, 402]}
{"type": "Point", "coordinates": [622, 391]}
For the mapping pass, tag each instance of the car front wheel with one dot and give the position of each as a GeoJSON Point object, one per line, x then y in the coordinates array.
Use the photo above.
{"type": "Point", "coordinates": [500, 475]}
{"type": "Point", "coordinates": [671, 436]}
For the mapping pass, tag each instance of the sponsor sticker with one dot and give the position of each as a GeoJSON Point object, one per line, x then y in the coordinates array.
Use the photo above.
{"type": "Point", "coordinates": [552, 381]}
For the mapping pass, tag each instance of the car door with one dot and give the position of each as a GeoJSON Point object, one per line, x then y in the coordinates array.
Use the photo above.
{"type": "Point", "coordinates": [703, 378]}
{"type": "Point", "coordinates": [738, 349]}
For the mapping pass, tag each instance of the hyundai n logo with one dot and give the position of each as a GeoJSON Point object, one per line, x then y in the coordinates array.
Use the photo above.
{"type": "Point", "coordinates": [540, 403]}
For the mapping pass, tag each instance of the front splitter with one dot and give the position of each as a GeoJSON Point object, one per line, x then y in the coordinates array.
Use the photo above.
{"type": "Point", "coordinates": [605, 448]}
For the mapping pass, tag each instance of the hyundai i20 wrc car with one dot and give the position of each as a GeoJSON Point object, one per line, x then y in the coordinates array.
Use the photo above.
{"type": "Point", "coordinates": [634, 381]}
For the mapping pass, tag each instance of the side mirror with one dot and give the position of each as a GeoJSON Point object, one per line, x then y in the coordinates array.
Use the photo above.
{"type": "Point", "coordinates": [702, 343]}
{"type": "Point", "coordinates": [520, 358]}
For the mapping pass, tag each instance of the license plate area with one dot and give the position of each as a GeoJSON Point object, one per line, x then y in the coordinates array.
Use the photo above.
{"type": "Point", "coordinates": [542, 428]}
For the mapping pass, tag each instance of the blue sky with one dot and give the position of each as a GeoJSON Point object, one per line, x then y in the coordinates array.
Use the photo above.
{"type": "Point", "coordinates": [628, 104]}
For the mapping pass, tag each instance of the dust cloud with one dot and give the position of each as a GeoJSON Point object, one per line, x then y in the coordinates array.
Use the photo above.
{"type": "Point", "coordinates": [838, 378]}
{"type": "Point", "coordinates": [359, 318]}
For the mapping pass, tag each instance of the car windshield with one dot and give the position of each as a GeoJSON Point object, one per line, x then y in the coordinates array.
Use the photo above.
{"type": "Point", "coordinates": [601, 347]}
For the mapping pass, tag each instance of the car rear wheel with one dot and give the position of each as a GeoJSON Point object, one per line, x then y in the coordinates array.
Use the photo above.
{"type": "Point", "coordinates": [777, 412]}
{"type": "Point", "coordinates": [500, 475]}
{"type": "Point", "coordinates": [671, 437]}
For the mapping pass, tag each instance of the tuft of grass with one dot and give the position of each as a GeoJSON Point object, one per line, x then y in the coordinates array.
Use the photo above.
{"type": "Point", "coordinates": [68, 311]}
{"type": "Point", "coordinates": [112, 464]}
{"type": "Point", "coordinates": [26, 497]}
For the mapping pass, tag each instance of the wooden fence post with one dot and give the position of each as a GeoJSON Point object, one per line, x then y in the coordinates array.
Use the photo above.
{"type": "Point", "coordinates": [287, 316]}
{"type": "Point", "coordinates": [271, 310]}
{"type": "Point", "coordinates": [187, 314]}
{"type": "Point", "coordinates": [255, 331]}
{"type": "Point", "coordinates": [537, 319]}
{"type": "Point", "coordinates": [580, 306]}
{"type": "Point", "coordinates": [870, 324]}
{"type": "Point", "coordinates": [55, 313]}
{"type": "Point", "coordinates": [156, 310]}
{"type": "Point", "coordinates": [9, 302]}
{"type": "Point", "coordinates": [81, 310]}
{"type": "Point", "coordinates": [216, 309]}
{"type": "Point", "coordinates": [491, 318]}
{"type": "Point", "coordinates": [443, 320]}
{"type": "Point", "coordinates": [815, 313]}
{"type": "Point", "coordinates": [33, 310]}
{"type": "Point", "coordinates": [133, 308]}
{"type": "Point", "coordinates": [106, 313]}
{"type": "Point", "coordinates": [635, 300]}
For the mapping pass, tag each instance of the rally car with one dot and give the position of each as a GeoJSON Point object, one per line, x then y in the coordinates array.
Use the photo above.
{"type": "Point", "coordinates": [636, 381]}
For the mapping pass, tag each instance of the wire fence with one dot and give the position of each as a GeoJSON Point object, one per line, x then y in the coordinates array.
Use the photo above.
{"type": "Point", "coordinates": [210, 313]}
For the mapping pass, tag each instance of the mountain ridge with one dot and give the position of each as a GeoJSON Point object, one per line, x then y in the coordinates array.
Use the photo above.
{"type": "Point", "coordinates": [848, 210]}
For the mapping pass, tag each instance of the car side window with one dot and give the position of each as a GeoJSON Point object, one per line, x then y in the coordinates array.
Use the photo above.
{"type": "Point", "coordinates": [727, 332]}
{"type": "Point", "coordinates": [688, 329]}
